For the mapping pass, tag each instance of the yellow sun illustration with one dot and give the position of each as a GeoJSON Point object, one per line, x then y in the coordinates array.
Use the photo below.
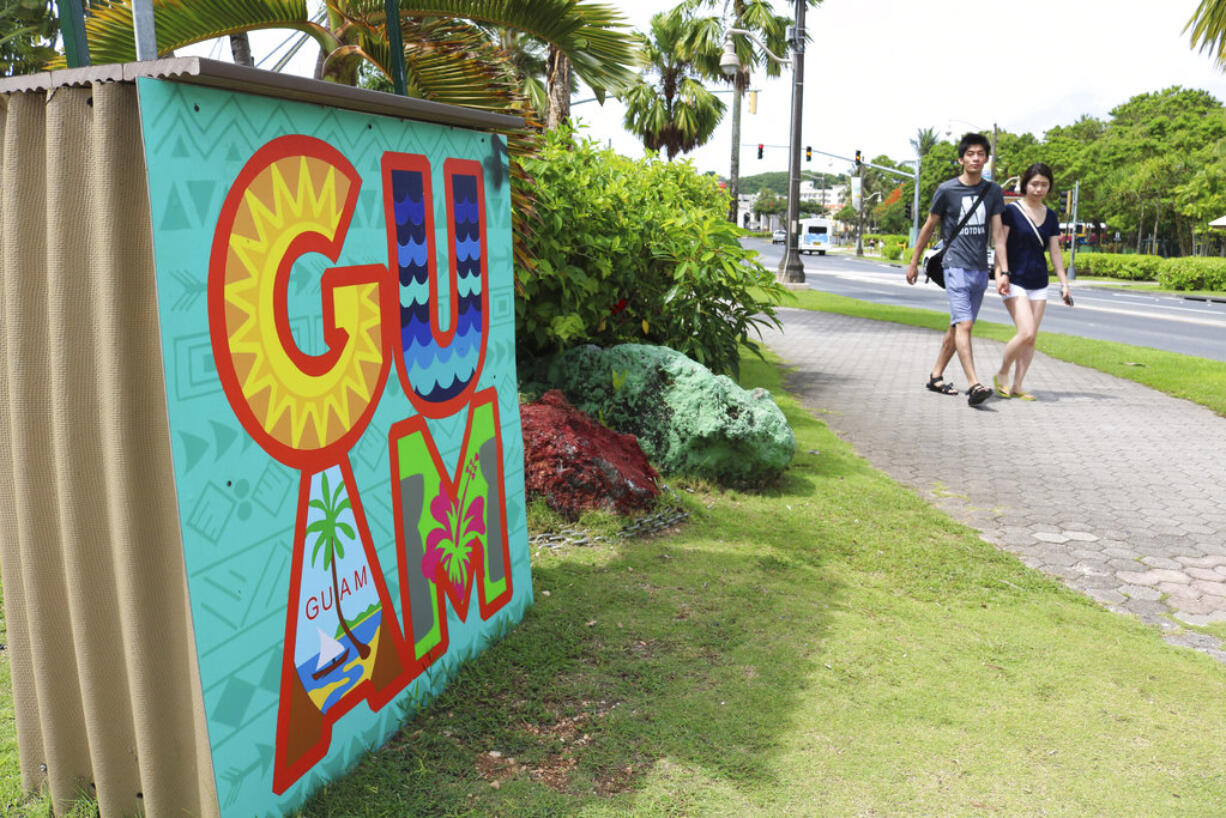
{"type": "Point", "coordinates": [292, 197]}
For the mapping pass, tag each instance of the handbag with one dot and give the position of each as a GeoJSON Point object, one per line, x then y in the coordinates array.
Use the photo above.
{"type": "Point", "coordinates": [933, 271]}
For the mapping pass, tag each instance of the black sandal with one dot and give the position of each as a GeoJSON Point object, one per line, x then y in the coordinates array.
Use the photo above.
{"type": "Point", "coordinates": [936, 383]}
{"type": "Point", "coordinates": [977, 394]}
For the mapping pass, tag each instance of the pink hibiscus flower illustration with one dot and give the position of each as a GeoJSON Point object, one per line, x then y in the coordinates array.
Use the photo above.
{"type": "Point", "coordinates": [453, 542]}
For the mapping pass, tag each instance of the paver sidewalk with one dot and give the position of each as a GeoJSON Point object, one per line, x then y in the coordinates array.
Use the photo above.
{"type": "Point", "coordinates": [1116, 489]}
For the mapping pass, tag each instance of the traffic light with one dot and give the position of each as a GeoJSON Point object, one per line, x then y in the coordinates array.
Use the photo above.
{"type": "Point", "coordinates": [857, 160]}
{"type": "Point", "coordinates": [906, 210]}
{"type": "Point", "coordinates": [808, 154]}
{"type": "Point", "coordinates": [753, 102]}
{"type": "Point", "coordinates": [760, 147]}
{"type": "Point", "coordinates": [1066, 201]}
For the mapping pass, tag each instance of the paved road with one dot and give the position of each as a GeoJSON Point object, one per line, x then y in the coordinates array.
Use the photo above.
{"type": "Point", "coordinates": [1120, 495]}
{"type": "Point", "coordinates": [1143, 319]}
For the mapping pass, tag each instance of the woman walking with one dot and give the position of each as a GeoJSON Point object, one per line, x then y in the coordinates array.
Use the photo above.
{"type": "Point", "coordinates": [1031, 228]}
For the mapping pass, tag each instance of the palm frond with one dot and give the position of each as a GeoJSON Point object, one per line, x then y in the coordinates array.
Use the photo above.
{"type": "Point", "coordinates": [1208, 26]}
{"type": "Point", "coordinates": [108, 26]}
{"type": "Point", "coordinates": [593, 36]}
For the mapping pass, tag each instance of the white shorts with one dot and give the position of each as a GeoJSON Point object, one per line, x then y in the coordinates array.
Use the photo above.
{"type": "Point", "coordinates": [1033, 295]}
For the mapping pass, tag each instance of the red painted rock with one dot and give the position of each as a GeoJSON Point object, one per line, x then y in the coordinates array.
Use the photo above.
{"type": "Point", "coordinates": [576, 464]}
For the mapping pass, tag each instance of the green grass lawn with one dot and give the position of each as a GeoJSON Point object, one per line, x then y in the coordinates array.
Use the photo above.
{"type": "Point", "coordinates": [830, 646]}
{"type": "Point", "coordinates": [1200, 380]}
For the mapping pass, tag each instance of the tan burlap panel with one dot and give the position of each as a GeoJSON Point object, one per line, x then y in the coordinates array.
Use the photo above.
{"type": "Point", "coordinates": [106, 686]}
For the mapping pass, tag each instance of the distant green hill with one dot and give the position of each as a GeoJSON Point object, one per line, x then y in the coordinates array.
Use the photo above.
{"type": "Point", "coordinates": [777, 181]}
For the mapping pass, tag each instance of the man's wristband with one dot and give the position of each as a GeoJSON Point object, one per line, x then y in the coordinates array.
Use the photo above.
{"type": "Point", "coordinates": [1003, 273]}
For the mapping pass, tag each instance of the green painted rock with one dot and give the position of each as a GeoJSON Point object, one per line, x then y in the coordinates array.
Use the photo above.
{"type": "Point", "coordinates": [685, 418]}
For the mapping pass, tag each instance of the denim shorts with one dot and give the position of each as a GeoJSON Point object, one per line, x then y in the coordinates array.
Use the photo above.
{"type": "Point", "coordinates": [964, 289]}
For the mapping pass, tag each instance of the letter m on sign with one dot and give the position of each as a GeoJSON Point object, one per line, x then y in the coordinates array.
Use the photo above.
{"type": "Point", "coordinates": [451, 532]}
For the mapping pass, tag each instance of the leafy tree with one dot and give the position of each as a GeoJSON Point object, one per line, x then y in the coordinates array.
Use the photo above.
{"type": "Point", "coordinates": [810, 207]}
{"type": "Point", "coordinates": [28, 30]}
{"type": "Point", "coordinates": [768, 204]}
{"type": "Point", "coordinates": [777, 181]}
{"type": "Point", "coordinates": [889, 217]}
{"type": "Point", "coordinates": [669, 108]}
{"type": "Point", "coordinates": [1154, 144]}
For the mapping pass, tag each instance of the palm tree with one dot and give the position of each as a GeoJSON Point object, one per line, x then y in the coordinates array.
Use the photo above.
{"type": "Point", "coordinates": [705, 43]}
{"type": "Point", "coordinates": [447, 56]}
{"type": "Point", "coordinates": [925, 139]}
{"type": "Point", "coordinates": [1208, 25]}
{"type": "Point", "coordinates": [27, 36]}
{"type": "Point", "coordinates": [327, 527]}
{"type": "Point", "coordinates": [669, 108]}
{"type": "Point", "coordinates": [527, 57]}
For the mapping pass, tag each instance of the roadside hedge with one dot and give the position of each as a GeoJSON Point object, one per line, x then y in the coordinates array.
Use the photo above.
{"type": "Point", "coordinates": [1128, 267]}
{"type": "Point", "coordinates": [1186, 273]}
{"type": "Point", "coordinates": [1193, 273]}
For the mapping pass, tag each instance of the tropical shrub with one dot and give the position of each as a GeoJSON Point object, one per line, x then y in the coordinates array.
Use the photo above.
{"type": "Point", "coordinates": [1193, 273]}
{"type": "Point", "coordinates": [635, 251]}
{"type": "Point", "coordinates": [886, 237]}
{"type": "Point", "coordinates": [1111, 265]}
{"type": "Point", "coordinates": [892, 250]}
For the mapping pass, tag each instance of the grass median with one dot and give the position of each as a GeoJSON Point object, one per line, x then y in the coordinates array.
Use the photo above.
{"type": "Point", "coordinates": [829, 646]}
{"type": "Point", "coordinates": [1199, 380]}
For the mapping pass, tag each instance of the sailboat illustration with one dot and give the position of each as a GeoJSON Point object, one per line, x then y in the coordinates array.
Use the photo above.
{"type": "Point", "coordinates": [332, 654]}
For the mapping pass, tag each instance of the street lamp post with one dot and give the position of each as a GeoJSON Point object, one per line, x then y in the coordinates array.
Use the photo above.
{"type": "Point", "coordinates": [730, 66]}
{"type": "Point", "coordinates": [734, 179]}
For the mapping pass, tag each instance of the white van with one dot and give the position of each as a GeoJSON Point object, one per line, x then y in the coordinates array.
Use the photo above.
{"type": "Point", "coordinates": [815, 235]}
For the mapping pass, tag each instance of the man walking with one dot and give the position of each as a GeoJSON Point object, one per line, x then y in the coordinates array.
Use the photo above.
{"type": "Point", "coordinates": [966, 257]}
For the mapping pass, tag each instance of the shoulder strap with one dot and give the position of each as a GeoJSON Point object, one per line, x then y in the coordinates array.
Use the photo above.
{"type": "Point", "coordinates": [982, 194]}
{"type": "Point", "coordinates": [1030, 222]}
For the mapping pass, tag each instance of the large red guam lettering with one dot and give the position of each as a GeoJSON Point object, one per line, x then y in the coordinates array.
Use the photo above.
{"type": "Point", "coordinates": [297, 195]}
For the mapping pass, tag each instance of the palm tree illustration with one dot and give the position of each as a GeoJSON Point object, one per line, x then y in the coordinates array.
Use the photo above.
{"type": "Point", "coordinates": [333, 548]}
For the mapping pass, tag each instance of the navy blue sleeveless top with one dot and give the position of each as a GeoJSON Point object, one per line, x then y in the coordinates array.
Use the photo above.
{"type": "Point", "coordinates": [1027, 261]}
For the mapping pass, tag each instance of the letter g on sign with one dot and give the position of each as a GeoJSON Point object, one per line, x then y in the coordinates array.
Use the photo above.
{"type": "Point", "coordinates": [296, 195]}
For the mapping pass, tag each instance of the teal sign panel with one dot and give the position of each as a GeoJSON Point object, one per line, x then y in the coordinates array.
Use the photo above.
{"type": "Point", "coordinates": [336, 304]}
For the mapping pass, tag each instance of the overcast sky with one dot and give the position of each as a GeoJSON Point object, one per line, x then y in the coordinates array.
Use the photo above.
{"type": "Point", "coordinates": [878, 70]}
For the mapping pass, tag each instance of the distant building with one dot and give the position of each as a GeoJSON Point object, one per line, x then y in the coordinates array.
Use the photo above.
{"type": "Point", "coordinates": [831, 198]}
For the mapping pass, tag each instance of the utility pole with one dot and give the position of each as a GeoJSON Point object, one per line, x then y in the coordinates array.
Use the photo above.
{"type": "Point", "coordinates": [1072, 253]}
{"type": "Point", "coordinates": [791, 268]}
{"type": "Point", "coordinates": [860, 222]}
{"type": "Point", "coordinates": [915, 203]}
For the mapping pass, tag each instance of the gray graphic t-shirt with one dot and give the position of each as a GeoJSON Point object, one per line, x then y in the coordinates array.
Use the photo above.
{"type": "Point", "coordinates": [950, 202]}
